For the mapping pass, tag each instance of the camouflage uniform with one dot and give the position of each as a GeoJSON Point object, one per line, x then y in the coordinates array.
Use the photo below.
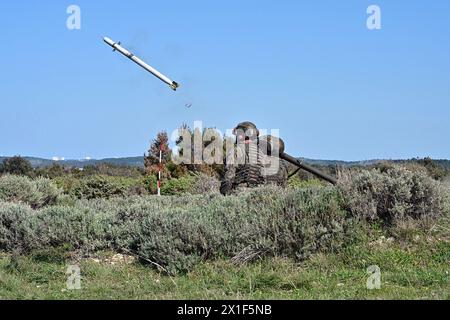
{"type": "Point", "coordinates": [246, 166]}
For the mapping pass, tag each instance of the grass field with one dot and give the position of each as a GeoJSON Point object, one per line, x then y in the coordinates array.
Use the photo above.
{"type": "Point", "coordinates": [416, 270]}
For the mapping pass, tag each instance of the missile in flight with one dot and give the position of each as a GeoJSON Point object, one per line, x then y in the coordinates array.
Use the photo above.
{"type": "Point", "coordinates": [132, 57]}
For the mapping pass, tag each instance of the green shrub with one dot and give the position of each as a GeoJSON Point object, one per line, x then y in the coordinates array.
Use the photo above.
{"type": "Point", "coordinates": [297, 183]}
{"type": "Point", "coordinates": [186, 184]}
{"type": "Point", "coordinates": [393, 193]}
{"type": "Point", "coordinates": [98, 187]}
{"type": "Point", "coordinates": [267, 221]}
{"type": "Point", "coordinates": [37, 193]}
{"type": "Point", "coordinates": [67, 183]}
{"type": "Point", "coordinates": [178, 186]}
{"type": "Point", "coordinates": [16, 165]}
{"type": "Point", "coordinates": [93, 187]}
{"type": "Point", "coordinates": [16, 228]}
{"type": "Point", "coordinates": [53, 171]}
{"type": "Point", "coordinates": [23, 229]}
{"type": "Point", "coordinates": [178, 232]}
{"type": "Point", "coordinates": [81, 228]}
{"type": "Point", "coordinates": [151, 184]}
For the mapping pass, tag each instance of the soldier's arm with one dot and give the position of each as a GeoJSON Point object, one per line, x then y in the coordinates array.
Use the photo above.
{"type": "Point", "coordinates": [226, 185]}
{"type": "Point", "coordinates": [283, 173]}
{"type": "Point", "coordinates": [229, 175]}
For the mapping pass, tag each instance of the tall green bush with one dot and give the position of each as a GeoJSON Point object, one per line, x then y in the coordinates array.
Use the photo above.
{"type": "Point", "coordinates": [16, 228]}
{"type": "Point", "coordinates": [178, 186]}
{"type": "Point", "coordinates": [392, 194]}
{"type": "Point", "coordinates": [81, 228]}
{"type": "Point", "coordinates": [37, 193]}
{"type": "Point", "coordinates": [16, 165]}
{"type": "Point", "coordinates": [98, 187]}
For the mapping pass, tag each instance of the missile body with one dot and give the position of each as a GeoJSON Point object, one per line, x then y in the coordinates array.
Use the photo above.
{"type": "Point", "coordinates": [132, 57]}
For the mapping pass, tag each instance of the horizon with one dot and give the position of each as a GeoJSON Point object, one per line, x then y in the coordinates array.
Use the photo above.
{"type": "Point", "coordinates": [124, 157]}
{"type": "Point", "coordinates": [313, 70]}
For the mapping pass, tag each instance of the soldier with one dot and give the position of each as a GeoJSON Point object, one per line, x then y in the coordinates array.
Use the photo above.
{"type": "Point", "coordinates": [249, 164]}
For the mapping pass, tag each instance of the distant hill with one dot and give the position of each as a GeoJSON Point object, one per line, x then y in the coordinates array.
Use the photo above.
{"type": "Point", "coordinates": [139, 162]}
{"type": "Point", "coordinates": [127, 161]}
{"type": "Point", "coordinates": [340, 163]}
{"type": "Point", "coordinates": [441, 162]}
{"type": "Point", "coordinates": [444, 163]}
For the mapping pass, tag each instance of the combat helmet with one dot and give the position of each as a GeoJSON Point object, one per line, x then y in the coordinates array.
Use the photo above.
{"type": "Point", "coordinates": [247, 129]}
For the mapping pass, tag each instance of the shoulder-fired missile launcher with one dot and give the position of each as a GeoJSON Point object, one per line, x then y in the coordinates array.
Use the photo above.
{"type": "Point", "coordinates": [275, 147]}
{"type": "Point", "coordinates": [249, 174]}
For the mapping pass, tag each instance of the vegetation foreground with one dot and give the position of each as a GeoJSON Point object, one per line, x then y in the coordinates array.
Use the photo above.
{"type": "Point", "coordinates": [310, 241]}
{"type": "Point", "coordinates": [418, 271]}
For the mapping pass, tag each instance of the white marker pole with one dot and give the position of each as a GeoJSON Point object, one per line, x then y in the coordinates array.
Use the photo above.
{"type": "Point", "coordinates": [159, 172]}
{"type": "Point", "coordinates": [129, 55]}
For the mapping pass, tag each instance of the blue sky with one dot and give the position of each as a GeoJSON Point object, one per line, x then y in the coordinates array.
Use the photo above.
{"type": "Point", "coordinates": [312, 69]}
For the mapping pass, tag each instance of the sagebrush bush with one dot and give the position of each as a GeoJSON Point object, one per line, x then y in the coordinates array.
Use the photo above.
{"type": "Point", "coordinates": [16, 227]}
{"type": "Point", "coordinates": [81, 228]}
{"type": "Point", "coordinates": [392, 194]}
{"type": "Point", "coordinates": [23, 229]}
{"type": "Point", "coordinates": [37, 193]}
{"type": "Point", "coordinates": [269, 221]}
{"type": "Point", "coordinates": [178, 232]}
